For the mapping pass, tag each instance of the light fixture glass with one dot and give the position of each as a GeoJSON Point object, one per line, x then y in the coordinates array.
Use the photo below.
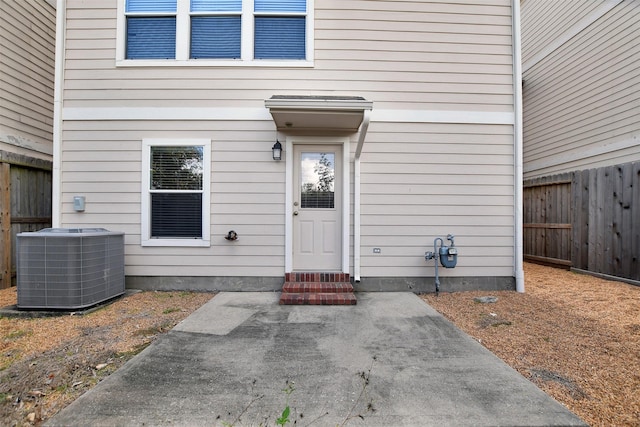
{"type": "Point", "coordinates": [277, 150]}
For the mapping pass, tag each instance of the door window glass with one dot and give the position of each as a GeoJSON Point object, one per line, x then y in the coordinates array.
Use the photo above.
{"type": "Point", "coordinates": [317, 176]}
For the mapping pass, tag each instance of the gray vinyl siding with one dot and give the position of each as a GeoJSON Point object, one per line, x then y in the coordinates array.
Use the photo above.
{"type": "Point", "coordinates": [27, 42]}
{"type": "Point", "coordinates": [547, 20]}
{"type": "Point", "coordinates": [432, 180]}
{"type": "Point", "coordinates": [247, 194]}
{"type": "Point", "coordinates": [408, 54]}
{"type": "Point", "coordinates": [582, 102]}
{"type": "Point", "coordinates": [419, 180]}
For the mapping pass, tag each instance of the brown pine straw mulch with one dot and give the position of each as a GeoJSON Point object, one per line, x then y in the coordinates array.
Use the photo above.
{"type": "Point", "coordinates": [577, 337]}
{"type": "Point", "coordinates": [46, 363]}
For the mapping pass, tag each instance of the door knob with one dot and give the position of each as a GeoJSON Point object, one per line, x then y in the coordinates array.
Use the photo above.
{"type": "Point", "coordinates": [295, 212]}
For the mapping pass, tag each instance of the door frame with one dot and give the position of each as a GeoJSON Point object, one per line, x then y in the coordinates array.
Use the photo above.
{"type": "Point", "coordinates": [346, 195]}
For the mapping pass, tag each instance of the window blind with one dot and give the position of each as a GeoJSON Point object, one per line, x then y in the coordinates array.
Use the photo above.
{"type": "Point", "coordinates": [176, 167]}
{"type": "Point", "coordinates": [135, 6]}
{"type": "Point", "coordinates": [280, 6]}
{"type": "Point", "coordinates": [216, 5]}
{"type": "Point", "coordinates": [216, 37]}
{"type": "Point", "coordinates": [280, 37]}
{"type": "Point", "coordinates": [176, 215]}
{"type": "Point", "coordinates": [151, 38]}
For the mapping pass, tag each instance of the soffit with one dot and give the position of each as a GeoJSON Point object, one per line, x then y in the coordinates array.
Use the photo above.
{"type": "Point", "coordinates": [337, 113]}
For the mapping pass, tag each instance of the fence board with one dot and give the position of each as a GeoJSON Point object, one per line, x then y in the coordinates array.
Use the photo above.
{"type": "Point", "coordinates": [604, 213]}
{"type": "Point", "coordinates": [616, 219]}
{"type": "Point", "coordinates": [547, 232]}
{"type": "Point", "coordinates": [30, 203]}
{"type": "Point", "coordinates": [5, 225]}
{"type": "Point", "coordinates": [635, 225]}
{"type": "Point", "coordinates": [581, 194]}
{"type": "Point", "coordinates": [626, 225]}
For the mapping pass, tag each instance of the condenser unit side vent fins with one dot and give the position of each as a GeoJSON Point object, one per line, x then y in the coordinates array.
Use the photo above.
{"type": "Point", "coordinates": [69, 269]}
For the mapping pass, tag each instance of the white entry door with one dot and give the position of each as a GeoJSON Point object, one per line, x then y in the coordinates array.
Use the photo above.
{"type": "Point", "coordinates": [317, 207]}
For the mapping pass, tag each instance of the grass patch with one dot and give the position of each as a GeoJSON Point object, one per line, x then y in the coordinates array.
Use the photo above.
{"type": "Point", "coordinates": [154, 330]}
{"type": "Point", "coordinates": [128, 354]}
{"type": "Point", "coordinates": [15, 335]}
{"type": "Point", "coordinates": [170, 310]}
{"type": "Point", "coordinates": [9, 358]}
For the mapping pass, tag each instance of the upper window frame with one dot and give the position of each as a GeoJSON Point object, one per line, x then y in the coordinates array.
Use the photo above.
{"type": "Point", "coordinates": [183, 48]}
{"type": "Point", "coordinates": [146, 239]}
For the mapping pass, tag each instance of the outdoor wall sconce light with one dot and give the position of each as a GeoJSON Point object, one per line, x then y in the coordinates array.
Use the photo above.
{"type": "Point", "coordinates": [277, 150]}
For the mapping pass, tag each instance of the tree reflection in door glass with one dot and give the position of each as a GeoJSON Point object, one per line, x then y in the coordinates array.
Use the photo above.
{"type": "Point", "coordinates": [317, 176]}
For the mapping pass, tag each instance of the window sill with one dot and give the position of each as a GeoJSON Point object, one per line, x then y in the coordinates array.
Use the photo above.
{"type": "Point", "coordinates": [212, 63]}
{"type": "Point", "coordinates": [177, 243]}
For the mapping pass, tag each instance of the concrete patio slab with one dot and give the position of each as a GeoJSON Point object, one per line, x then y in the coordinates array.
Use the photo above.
{"type": "Point", "coordinates": [391, 360]}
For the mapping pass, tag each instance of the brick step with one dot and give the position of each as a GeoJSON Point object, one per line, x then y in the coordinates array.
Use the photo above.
{"type": "Point", "coordinates": [317, 287]}
{"type": "Point", "coordinates": [317, 277]}
{"type": "Point", "coordinates": [317, 298]}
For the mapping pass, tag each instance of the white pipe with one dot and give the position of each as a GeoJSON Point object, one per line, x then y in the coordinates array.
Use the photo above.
{"type": "Point", "coordinates": [356, 220]}
{"type": "Point", "coordinates": [57, 111]}
{"type": "Point", "coordinates": [356, 195]}
{"type": "Point", "coordinates": [518, 144]}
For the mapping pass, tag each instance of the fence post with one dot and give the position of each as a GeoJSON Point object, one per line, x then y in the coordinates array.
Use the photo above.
{"type": "Point", "coordinates": [5, 225]}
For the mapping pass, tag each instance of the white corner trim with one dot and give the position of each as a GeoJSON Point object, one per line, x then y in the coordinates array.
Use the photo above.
{"type": "Point", "coordinates": [518, 144]}
{"type": "Point", "coordinates": [580, 26]}
{"type": "Point", "coordinates": [58, 88]}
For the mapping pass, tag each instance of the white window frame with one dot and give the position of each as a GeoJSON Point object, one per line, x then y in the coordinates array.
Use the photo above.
{"type": "Point", "coordinates": [145, 223]}
{"type": "Point", "coordinates": [183, 42]}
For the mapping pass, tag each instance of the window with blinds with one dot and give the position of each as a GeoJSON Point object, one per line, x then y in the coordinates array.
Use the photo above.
{"type": "Point", "coordinates": [176, 191]}
{"type": "Point", "coordinates": [217, 29]}
{"type": "Point", "coordinates": [151, 29]}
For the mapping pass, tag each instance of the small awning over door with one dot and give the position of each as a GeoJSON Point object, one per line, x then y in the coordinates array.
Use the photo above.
{"type": "Point", "coordinates": [335, 113]}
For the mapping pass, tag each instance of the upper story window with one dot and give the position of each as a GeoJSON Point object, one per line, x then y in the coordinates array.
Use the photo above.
{"type": "Point", "coordinates": [241, 31]}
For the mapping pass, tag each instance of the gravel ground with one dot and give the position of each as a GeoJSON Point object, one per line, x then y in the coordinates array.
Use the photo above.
{"type": "Point", "coordinates": [577, 337]}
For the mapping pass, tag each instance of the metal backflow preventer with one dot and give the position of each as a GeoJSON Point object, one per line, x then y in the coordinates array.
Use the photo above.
{"type": "Point", "coordinates": [448, 255]}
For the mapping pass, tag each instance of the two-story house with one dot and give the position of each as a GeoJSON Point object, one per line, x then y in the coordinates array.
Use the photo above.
{"type": "Point", "coordinates": [235, 141]}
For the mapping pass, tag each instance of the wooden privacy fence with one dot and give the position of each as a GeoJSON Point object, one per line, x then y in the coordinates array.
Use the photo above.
{"type": "Point", "coordinates": [25, 204]}
{"type": "Point", "coordinates": [547, 220]}
{"type": "Point", "coordinates": [588, 220]}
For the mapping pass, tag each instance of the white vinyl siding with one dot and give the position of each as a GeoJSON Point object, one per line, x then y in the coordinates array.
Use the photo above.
{"type": "Point", "coordinates": [582, 102]}
{"type": "Point", "coordinates": [420, 178]}
{"type": "Point", "coordinates": [27, 41]}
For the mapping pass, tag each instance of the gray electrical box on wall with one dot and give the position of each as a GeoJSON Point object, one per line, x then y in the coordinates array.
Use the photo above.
{"type": "Point", "coordinates": [78, 203]}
